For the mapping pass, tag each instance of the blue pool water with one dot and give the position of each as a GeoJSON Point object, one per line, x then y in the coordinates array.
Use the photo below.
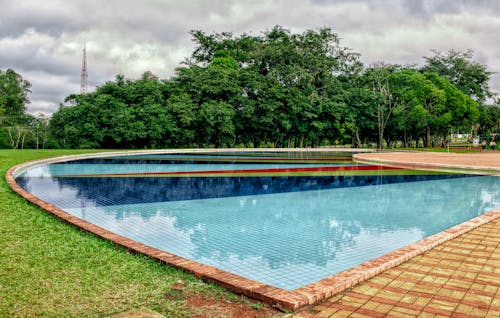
{"type": "Point", "coordinates": [285, 231]}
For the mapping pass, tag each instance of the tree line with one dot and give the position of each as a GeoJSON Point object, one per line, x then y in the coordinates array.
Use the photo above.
{"type": "Point", "coordinates": [282, 89]}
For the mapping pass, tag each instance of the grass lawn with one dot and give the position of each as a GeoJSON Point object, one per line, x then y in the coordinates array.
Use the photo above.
{"type": "Point", "coordinates": [49, 268]}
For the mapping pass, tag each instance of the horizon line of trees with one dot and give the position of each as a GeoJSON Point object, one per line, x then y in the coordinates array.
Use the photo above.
{"type": "Point", "coordinates": [278, 89]}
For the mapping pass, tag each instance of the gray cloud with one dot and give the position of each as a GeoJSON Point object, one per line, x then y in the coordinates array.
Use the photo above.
{"type": "Point", "coordinates": [43, 40]}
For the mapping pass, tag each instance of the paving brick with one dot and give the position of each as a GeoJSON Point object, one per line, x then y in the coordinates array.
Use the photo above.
{"type": "Point", "coordinates": [421, 301]}
{"type": "Point", "coordinates": [425, 315]}
{"type": "Point", "coordinates": [405, 312]}
{"type": "Point", "coordinates": [384, 308]}
{"type": "Point", "coordinates": [370, 305]}
{"type": "Point", "coordinates": [478, 312]}
{"type": "Point", "coordinates": [327, 312]}
{"type": "Point", "coordinates": [442, 305]}
{"type": "Point", "coordinates": [342, 313]}
{"type": "Point", "coordinates": [493, 313]}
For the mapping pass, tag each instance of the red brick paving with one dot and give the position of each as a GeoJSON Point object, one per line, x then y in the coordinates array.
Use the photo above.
{"type": "Point", "coordinates": [432, 283]}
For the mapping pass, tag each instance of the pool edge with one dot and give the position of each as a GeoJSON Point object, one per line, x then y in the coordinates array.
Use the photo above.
{"type": "Point", "coordinates": [277, 297]}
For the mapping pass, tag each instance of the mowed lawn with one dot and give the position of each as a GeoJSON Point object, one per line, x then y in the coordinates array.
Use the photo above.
{"type": "Point", "coordinates": [49, 268]}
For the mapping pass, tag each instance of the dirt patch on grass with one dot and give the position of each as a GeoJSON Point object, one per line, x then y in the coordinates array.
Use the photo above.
{"type": "Point", "coordinates": [203, 307]}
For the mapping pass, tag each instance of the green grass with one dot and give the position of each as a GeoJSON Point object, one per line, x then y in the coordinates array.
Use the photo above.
{"type": "Point", "coordinates": [52, 269]}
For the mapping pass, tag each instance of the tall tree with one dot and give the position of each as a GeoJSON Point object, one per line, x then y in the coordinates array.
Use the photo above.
{"type": "Point", "coordinates": [383, 81]}
{"type": "Point", "coordinates": [431, 103]}
{"type": "Point", "coordinates": [13, 99]}
{"type": "Point", "coordinates": [489, 119]}
{"type": "Point", "coordinates": [13, 93]}
{"type": "Point", "coordinates": [469, 76]}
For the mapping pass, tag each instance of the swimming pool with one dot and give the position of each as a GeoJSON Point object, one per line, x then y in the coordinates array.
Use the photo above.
{"type": "Point", "coordinates": [284, 219]}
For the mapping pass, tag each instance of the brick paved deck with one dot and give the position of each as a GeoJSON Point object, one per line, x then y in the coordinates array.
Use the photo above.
{"type": "Point", "coordinates": [459, 278]}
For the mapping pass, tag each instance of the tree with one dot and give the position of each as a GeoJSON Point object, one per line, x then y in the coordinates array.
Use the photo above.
{"type": "Point", "coordinates": [278, 84]}
{"type": "Point", "coordinates": [211, 46]}
{"type": "Point", "coordinates": [432, 104]}
{"type": "Point", "coordinates": [218, 123]}
{"type": "Point", "coordinates": [489, 119]}
{"type": "Point", "coordinates": [459, 110]}
{"type": "Point", "coordinates": [383, 80]}
{"type": "Point", "coordinates": [13, 99]}
{"type": "Point", "coordinates": [39, 129]}
{"type": "Point", "coordinates": [17, 131]}
{"type": "Point", "coordinates": [427, 103]}
{"type": "Point", "coordinates": [471, 77]}
{"type": "Point", "coordinates": [13, 93]}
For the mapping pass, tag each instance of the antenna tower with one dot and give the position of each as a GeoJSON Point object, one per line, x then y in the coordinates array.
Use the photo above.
{"type": "Point", "coordinates": [83, 85]}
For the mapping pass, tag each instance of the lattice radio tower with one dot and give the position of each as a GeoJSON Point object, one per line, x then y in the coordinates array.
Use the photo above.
{"type": "Point", "coordinates": [83, 84]}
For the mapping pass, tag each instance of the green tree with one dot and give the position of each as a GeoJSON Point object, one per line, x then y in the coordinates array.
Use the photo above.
{"type": "Point", "coordinates": [279, 84]}
{"type": "Point", "coordinates": [383, 81]}
{"type": "Point", "coordinates": [121, 114]}
{"type": "Point", "coordinates": [13, 93]}
{"type": "Point", "coordinates": [432, 106]}
{"type": "Point", "coordinates": [183, 121]}
{"type": "Point", "coordinates": [471, 77]}
{"type": "Point", "coordinates": [39, 130]}
{"type": "Point", "coordinates": [460, 111]}
{"type": "Point", "coordinates": [218, 123]}
{"type": "Point", "coordinates": [13, 99]}
{"type": "Point", "coordinates": [489, 119]}
{"type": "Point", "coordinates": [427, 103]}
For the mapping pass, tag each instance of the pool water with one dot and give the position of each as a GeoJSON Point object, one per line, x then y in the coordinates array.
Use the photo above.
{"type": "Point", "coordinates": [285, 220]}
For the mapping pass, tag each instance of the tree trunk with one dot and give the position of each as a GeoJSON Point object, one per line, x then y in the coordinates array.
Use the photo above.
{"type": "Point", "coordinates": [359, 144]}
{"type": "Point", "coordinates": [380, 140]}
{"type": "Point", "coordinates": [11, 138]}
{"type": "Point", "coordinates": [428, 137]}
{"type": "Point", "coordinates": [22, 140]}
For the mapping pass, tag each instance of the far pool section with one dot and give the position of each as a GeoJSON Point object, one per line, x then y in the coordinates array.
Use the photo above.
{"type": "Point", "coordinates": [282, 220]}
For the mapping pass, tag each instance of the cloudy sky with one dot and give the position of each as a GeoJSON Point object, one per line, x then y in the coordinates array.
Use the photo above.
{"type": "Point", "coordinates": [43, 40]}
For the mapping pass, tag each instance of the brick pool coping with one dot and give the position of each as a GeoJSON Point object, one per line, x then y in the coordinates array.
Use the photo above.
{"type": "Point", "coordinates": [280, 298]}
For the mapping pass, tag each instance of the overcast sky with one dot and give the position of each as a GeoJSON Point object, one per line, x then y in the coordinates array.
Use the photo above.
{"type": "Point", "coordinates": [43, 40]}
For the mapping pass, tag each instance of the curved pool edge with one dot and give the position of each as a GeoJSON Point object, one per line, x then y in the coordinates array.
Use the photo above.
{"type": "Point", "coordinates": [277, 297]}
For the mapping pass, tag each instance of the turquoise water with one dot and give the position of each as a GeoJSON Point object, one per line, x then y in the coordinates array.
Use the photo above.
{"type": "Point", "coordinates": [289, 238]}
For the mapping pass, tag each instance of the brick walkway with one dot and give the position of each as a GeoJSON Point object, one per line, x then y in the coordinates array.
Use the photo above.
{"type": "Point", "coordinates": [459, 278]}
